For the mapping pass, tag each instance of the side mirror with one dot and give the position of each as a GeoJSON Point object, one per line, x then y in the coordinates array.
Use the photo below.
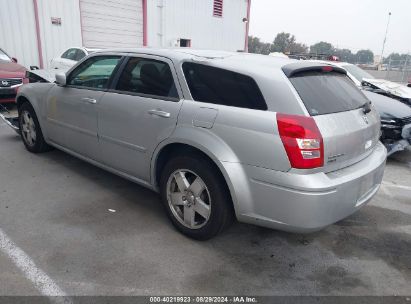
{"type": "Point", "coordinates": [14, 59]}
{"type": "Point", "coordinates": [61, 79]}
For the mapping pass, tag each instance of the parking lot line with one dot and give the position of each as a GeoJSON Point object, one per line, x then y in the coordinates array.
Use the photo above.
{"type": "Point", "coordinates": [44, 284]}
{"type": "Point", "coordinates": [387, 191]}
{"type": "Point", "coordinates": [396, 186]}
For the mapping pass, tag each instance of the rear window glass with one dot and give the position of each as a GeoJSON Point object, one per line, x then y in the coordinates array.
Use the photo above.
{"type": "Point", "coordinates": [325, 93]}
{"type": "Point", "coordinates": [219, 86]}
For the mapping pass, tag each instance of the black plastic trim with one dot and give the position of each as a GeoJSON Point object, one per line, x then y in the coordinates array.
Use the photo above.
{"type": "Point", "coordinates": [165, 98]}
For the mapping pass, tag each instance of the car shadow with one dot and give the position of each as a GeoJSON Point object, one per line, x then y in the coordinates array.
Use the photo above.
{"type": "Point", "coordinates": [10, 137]}
{"type": "Point", "coordinates": [266, 257]}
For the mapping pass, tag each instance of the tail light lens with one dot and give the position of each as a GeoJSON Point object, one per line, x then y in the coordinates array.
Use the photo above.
{"type": "Point", "coordinates": [302, 141]}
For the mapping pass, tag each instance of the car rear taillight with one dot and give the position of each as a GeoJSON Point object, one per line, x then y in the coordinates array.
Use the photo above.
{"type": "Point", "coordinates": [302, 141]}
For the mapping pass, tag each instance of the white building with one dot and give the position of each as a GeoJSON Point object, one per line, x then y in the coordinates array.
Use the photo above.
{"type": "Point", "coordinates": [35, 31]}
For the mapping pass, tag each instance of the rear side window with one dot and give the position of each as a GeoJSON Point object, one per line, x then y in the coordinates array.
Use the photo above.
{"type": "Point", "coordinates": [219, 86]}
{"type": "Point", "coordinates": [148, 77]}
{"type": "Point", "coordinates": [327, 92]}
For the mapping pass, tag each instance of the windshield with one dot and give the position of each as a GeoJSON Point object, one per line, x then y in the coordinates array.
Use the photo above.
{"type": "Point", "coordinates": [357, 72]}
{"type": "Point", "coordinates": [4, 56]}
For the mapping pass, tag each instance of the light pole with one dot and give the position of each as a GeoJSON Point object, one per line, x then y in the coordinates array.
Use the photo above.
{"type": "Point", "coordinates": [385, 38]}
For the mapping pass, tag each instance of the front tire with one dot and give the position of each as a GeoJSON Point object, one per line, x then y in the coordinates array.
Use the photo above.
{"type": "Point", "coordinates": [196, 197]}
{"type": "Point", "coordinates": [30, 130]}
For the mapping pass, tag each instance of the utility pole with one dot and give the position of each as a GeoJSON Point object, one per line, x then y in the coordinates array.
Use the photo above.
{"type": "Point", "coordinates": [385, 38]}
{"type": "Point", "coordinates": [405, 68]}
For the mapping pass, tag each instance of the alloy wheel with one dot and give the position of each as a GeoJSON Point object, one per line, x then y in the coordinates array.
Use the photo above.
{"type": "Point", "coordinates": [28, 129]}
{"type": "Point", "coordinates": [188, 198]}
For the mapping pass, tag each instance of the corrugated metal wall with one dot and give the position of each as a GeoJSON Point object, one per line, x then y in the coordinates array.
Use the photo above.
{"type": "Point", "coordinates": [18, 31]}
{"type": "Point", "coordinates": [57, 38]}
{"type": "Point", "coordinates": [117, 23]}
{"type": "Point", "coordinates": [169, 20]}
{"type": "Point", "coordinates": [108, 24]}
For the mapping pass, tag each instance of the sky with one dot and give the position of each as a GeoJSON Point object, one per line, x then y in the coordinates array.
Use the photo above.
{"type": "Point", "coordinates": [352, 24]}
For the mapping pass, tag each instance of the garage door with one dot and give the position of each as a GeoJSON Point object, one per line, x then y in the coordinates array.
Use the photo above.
{"type": "Point", "coordinates": [112, 23]}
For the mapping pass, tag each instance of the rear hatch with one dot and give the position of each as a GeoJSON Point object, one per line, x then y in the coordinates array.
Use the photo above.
{"type": "Point", "coordinates": [349, 125]}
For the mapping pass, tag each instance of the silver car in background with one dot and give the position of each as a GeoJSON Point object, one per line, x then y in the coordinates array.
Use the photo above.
{"type": "Point", "coordinates": [285, 144]}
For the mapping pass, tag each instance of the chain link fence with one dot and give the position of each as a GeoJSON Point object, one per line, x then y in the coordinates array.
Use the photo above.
{"type": "Point", "coordinates": [394, 70]}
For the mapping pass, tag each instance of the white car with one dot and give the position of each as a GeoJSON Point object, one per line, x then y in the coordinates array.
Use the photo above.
{"type": "Point", "coordinates": [393, 107]}
{"type": "Point", "coordinates": [361, 78]}
{"type": "Point", "coordinates": [70, 57]}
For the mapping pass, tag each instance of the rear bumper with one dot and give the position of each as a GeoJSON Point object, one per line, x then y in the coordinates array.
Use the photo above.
{"type": "Point", "coordinates": [305, 203]}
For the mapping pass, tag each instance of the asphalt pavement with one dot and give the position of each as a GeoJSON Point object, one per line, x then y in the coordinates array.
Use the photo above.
{"type": "Point", "coordinates": [69, 228]}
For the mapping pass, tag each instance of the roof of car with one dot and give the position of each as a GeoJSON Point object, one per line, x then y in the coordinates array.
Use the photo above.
{"type": "Point", "coordinates": [92, 50]}
{"type": "Point", "coordinates": [223, 58]}
{"type": "Point", "coordinates": [256, 65]}
{"type": "Point", "coordinates": [173, 52]}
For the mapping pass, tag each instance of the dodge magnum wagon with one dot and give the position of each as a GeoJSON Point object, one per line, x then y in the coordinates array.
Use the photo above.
{"type": "Point", "coordinates": [286, 144]}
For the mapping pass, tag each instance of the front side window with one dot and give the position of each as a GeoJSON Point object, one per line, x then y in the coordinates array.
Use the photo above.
{"type": "Point", "coordinates": [148, 77]}
{"type": "Point", "coordinates": [219, 86]}
{"type": "Point", "coordinates": [94, 72]}
{"type": "Point", "coordinates": [70, 54]}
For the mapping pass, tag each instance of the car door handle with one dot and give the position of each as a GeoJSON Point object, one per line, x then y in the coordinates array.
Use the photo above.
{"type": "Point", "coordinates": [89, 100]}
{"type": "Point", "coordinates": [159, 113]}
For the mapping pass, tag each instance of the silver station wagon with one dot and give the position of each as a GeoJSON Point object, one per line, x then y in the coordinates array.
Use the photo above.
{"type": "Point", "coordinates": [285, 144]}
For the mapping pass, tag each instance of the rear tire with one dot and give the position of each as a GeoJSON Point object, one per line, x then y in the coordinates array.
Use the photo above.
{"type": "Point", "coordinates": [196, 196]}
{"type": "Point", "coordinates": [30, 130]}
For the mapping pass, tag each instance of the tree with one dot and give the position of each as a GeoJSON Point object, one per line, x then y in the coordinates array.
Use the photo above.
{"type": "Point", "coordinates": [286, 43]}
{"type": "Point", "coordinates": [345, 55]}
{"type": "Point", "coordinates": [298, 48]}
{"type": "Point", "coordinates": [364, 56]}
{"type": "Point", "coordinates": [322, 47]}
{"type": "Point", "coordinates": [282, 42]}
{"type": "Point", "coordinates": [396, 57]}
{"type": "Point", "coordinates": [258, 47]}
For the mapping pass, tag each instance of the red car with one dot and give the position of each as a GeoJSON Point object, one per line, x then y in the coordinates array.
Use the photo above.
{"type": "Point", "coordinates": [12, 76]}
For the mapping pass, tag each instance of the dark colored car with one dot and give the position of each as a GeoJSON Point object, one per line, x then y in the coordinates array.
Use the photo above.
{"type": "Point", "coordinates": [12, 76]}
{"type": "Point", "coordinates": [395, 121]}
